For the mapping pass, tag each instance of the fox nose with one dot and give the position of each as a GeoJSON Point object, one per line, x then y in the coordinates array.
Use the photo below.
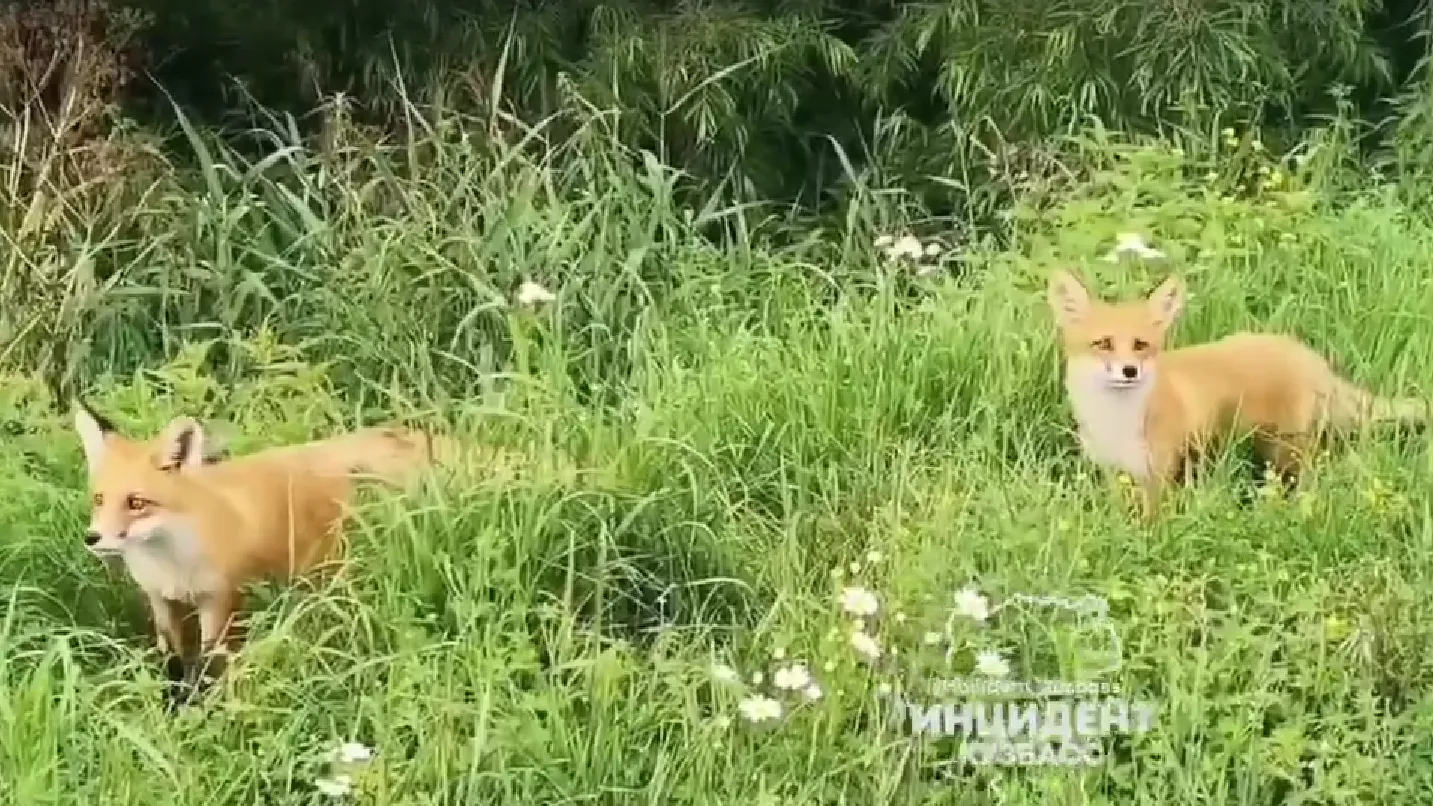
{"type": "Point", "coordinates": [92, 538]}
{"type": "Point", "coordinates": [1130, 371]}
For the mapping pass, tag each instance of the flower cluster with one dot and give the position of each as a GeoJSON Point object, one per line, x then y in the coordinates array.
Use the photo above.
{"type": "Point", "coordinates": [924, 257]}
{"type": "Point", "coordinates": [346, 764]}
{"type": "Point", "coordinates": [1132, 243]}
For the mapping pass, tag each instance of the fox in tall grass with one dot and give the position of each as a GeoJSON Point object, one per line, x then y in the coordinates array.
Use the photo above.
{"type": "Point", "coordinates": [193, 530]}
{"type": "Point", "coordinates": [1150, 411]}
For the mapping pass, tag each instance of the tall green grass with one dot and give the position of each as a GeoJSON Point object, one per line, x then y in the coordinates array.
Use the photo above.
{"type": "Point", "coordinates": [754, 426]}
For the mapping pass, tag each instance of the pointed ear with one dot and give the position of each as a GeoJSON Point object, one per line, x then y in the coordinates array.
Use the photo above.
{"type": "Point", "coordinates": [92, 428]}
{"type": "Point", "coordinates": [180, 445]}
{"type": "Point", "coordinates": [1167, 301]}
{"type": "Point", "coordinates": [1068, 298]}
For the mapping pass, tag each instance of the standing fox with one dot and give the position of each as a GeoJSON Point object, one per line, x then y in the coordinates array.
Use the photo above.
{"type": "Point", "coordinates": [1148, 411]}
{"type": "Point", "coordinates": [193, 530]}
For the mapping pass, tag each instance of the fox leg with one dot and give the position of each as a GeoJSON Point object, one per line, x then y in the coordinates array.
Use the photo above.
{"type": "Point", "coordinates": [168, 617]}
{"type": "Point", "coordinates": [1165, 467]}
{"type": "Point", "coordinates": [216, 616]}
{"type": "Point", "coordinates": [1286, 454]}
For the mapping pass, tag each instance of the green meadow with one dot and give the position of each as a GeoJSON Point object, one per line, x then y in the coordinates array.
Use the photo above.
{"type": "Point", "coordinates": [702, 448]}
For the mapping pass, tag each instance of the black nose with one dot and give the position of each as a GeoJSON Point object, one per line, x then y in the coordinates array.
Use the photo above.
{"type": "Point", "coordinates": [92, 538]}
{"type": "Point", "coordinates": [1130, 371]}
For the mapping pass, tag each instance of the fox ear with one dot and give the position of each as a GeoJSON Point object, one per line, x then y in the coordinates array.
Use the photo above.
{"type": "Point", "coordinates": [180, 445]}
{"type": "Point", "coordinates": [1068, 298]}
{"type": "Point", "coordinates": [92, 428]}
{"type": "Point", "coordinates": [1167, 301]}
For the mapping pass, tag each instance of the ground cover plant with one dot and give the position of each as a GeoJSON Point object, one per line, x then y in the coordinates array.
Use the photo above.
{"type": "Point", "coordinates": [753, 490]}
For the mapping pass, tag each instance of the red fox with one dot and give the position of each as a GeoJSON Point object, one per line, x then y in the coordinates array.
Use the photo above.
{"type": "Point", "coordinates": [1149, 412]}
{"type": "Point", "coordinates": [192, 529]}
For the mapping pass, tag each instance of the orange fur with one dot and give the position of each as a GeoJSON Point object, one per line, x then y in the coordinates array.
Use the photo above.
{"type": "Point", "coordinates": [1147, 410]}
{"type": "Point", "coordinates": [193, 531]}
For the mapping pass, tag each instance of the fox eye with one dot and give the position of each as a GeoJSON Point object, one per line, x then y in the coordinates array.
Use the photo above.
{"type": "Point", "coordinates": [136, 503]}
{"type": "Point", "coordinates": [1140, 345]}
{"type": "Point", "coordinates": [1105, 343]}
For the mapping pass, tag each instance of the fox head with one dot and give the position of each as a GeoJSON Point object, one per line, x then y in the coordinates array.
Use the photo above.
{"type": "Point", "coordinates": [135, 485]}
{"type": "Point", "coordinates": [1115, 345]}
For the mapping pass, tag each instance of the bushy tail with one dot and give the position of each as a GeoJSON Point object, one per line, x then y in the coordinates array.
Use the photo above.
{"type": "Point", "coordinates": [1354, 406]}
{"type": "Point", "coordinates": [390, 454]}
{"type": "Point", "coordinates": [398, 456]}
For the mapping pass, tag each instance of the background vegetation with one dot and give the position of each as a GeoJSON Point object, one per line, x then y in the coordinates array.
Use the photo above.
{"type": "Point", "coordinates": [291, 217]}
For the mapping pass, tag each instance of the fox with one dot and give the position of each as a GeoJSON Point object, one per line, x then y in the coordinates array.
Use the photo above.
{"type": "Point", "coordinates": [1151, 411]}
{"type": "Point", "coordinates": [194, 526]}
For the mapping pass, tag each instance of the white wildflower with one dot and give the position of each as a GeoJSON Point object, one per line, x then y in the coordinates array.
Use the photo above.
{"type": "Point", "coordinates": [874, 556]}
{"type": "Point", "coordinates": [353, 753]}
{"type": "Point", "coordinates": [932, 249]}
{"type": "Point", "coordinates": [908, 246]}
{"type": "Point", "coordinates": [859, 602]}
{"type": "Point", "coordinates": [1134, 243]}
{"type": "Point", "coordinates": [336, 787]}
{"type": "Point", "coordinates": [884, 689]}
{"type": "Point", "coordinates": [724, 674]}
{"type": "Point", "coordinates": [931, 638]}
{"type": "Point", "coordinates": [991, 664]}
{"type": "Point", "coordinates": [812, 692]}
{"type": "Point", "coordinates": [792, 677]}
{"type": "Point", "coordinates": [530, 293]}
{"type": "Point", "coordinates": [971, 604]}
{"type": "Point", "coordinates": [778, 653]}
{"type": "Point", "coordinates": [866, 645]}
{"type": "Point", "coordinates": [757, 708]}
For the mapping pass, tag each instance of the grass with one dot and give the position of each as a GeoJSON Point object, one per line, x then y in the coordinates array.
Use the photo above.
{"type": "Point", "coordinates": [718, 442]}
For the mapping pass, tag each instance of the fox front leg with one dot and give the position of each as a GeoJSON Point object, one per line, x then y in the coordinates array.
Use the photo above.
{"type": "Point", "coordinates": [216, 616]}
{"type": "Point", "coordinates": [168, 617]}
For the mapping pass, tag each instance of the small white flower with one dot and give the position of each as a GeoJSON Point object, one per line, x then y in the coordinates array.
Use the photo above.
{"type": "Point", "coordinates": [792, 677]}
{"type": "Point", "coordinates": [859, 602]}
{"type": "Point", "coordinates": [756, 678]}
{"type": "Point", "coordinates": [885, 241]}
{"type": "Point", "coordinates": [778, 653]}
{"type": "Point", "coordinates": [874, 556]}
{"type": "Point", "coordinates": [757, 708]}
{"type": "Point", "coordinates": [971, 604]}
{"type": "Point", "coordinates": [908, 246]}
{"type": "Point", "coordinates": [855, 567]}
{"type": "Point", "coordinates": [530, 293]}
{"type": "Point", "coordinates": [812, 692]}
{"type": "Point", "coordinates": [1131, 242]}
{"type": "Point", "coordinates": [724, 674]}
{"type": "Point", "coordinates": [991, 664]}
{"type": "Point", "coordinates": [932, 249]}
{"type": "Point", "coordinates": [883, 689]}
{"type": "Point", "coordinates": [353, 753]}
{"type": "Point", "coordinates": [722, 722]}
{"type": "Point", "coordinates": [829, 666]}
{"type": "Point", "coordinates": [866, 645]}
{"type": "Point", "coordinates": [336, 787]}
{"type": "Point", "coordinates": [931, 638]}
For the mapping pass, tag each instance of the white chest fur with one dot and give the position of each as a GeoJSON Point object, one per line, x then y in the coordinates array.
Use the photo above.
{"type": "Point", "coordinates": [1111, 421]}
{"type": "Point", "coordinates": [170, 565]}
